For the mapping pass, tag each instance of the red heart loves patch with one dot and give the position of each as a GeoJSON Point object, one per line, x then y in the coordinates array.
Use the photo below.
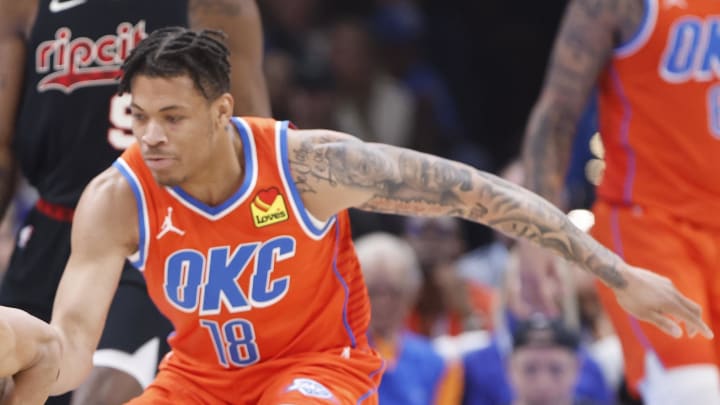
{"type": "Point", "coordinates": [268, 196]}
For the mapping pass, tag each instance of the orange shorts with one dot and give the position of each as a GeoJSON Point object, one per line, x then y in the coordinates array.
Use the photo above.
{"type": "Point", "coordinates": [317, 379]}
{"type": "Point", "coordinates": [687, 254]}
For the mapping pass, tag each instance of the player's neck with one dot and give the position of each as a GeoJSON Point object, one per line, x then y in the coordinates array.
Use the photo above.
{"type": "Point", "coordinates": [224, 175]}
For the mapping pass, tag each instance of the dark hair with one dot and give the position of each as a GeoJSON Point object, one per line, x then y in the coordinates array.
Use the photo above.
{"type": "Point", "coordinates": [539, 331]}
{"type": "Point", "coordinates": [176, 51]}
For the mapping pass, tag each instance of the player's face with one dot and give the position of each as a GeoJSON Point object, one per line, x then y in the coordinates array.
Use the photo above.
{"type": "Point", "coordinates": [173, 123]}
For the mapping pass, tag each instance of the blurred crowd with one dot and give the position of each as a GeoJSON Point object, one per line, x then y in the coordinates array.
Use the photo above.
{"type": "Point", "coordinates": [459, 312]}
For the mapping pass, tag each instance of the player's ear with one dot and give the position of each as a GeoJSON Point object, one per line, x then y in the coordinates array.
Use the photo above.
{"type": "Point", "coordinates": [223, 109]}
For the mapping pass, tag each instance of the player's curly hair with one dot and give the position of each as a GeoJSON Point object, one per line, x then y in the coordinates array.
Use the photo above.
{"type": "Point", "coordinates": [176, 51]}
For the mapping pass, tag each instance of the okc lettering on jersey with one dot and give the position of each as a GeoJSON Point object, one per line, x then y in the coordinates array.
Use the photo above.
{"type": "Point", "coordinates": [692, 51]}
{"type": "Point", "coordinates": [207, 282]}
{"type": "Point", "coordinates": [82, 61]}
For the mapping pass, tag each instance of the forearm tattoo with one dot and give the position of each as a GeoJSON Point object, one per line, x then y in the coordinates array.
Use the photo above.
{"type": "Point", "coordinates": [589, 32]}
{"type": "Point", "coordinates": [519, 213]}
{"type": "Point", "coordinates": [406, 182]}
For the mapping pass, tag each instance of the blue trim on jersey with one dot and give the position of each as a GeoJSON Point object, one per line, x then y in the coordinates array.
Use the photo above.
{"type": "Point", "coordinates": [620, 251]}
{"type": "Point", "coordinates": [624, 135]}
{"type": "Point", "coordinates": [336, 251]}
{"type": "Point", "coordinates": [294, 193]}
{"type": "Point", "coordinates": [247, 180]}
{"type": "Point", "coordinates": [137, 191]}
{"type": "Point", "coordinates": [373, 390]}
{"type": "Point", "coordinates": [634, 43]}
{"type": "Point", "coordinates": [366, 396]}
{"type": "Point", "coordinates": [383, 364]}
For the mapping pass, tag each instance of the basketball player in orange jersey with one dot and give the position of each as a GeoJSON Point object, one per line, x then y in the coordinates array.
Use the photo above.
{"type": "Point", "coordinates": [62, 122]}
{"type": "Point", "coordinates": [656, 64]}
{"type": "Point", "coordinates": [239, 228]}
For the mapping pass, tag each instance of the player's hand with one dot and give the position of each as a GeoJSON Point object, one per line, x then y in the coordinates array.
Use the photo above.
{"type": "Point", "coordinates": [655, 299]}
{"type": "Point", "coordinates": [30, 354]}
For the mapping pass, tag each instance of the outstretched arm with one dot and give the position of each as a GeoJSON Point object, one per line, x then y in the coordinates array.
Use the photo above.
{"type": "Point", "coordinates": [383, 178]}
{"type": "Point", "coordinates": [52, 359]}
{"type": "Point", "coordinates": [589, 32]}
{"type": "Point", "coordinates": [394, 180]}
{"type": "Point", "coordinates": [240, 20]}
{"type": "Point", "coordinates": [103, 235]}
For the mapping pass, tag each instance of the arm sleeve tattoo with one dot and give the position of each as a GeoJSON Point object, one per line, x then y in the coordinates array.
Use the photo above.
{"type": "Point", "coordinates": [400, 181]}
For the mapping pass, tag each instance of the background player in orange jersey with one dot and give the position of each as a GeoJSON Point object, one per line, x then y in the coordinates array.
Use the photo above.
{"type": "Point", "coordinates": [239, 227]}
{"type": "Point", "coordinates": [62, 122]}
{"type": "Point", "coordinates": [655, 63]}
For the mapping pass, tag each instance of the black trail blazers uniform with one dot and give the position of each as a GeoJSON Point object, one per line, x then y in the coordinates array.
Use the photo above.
{"type": "Point", "coordinates": [71, 126]}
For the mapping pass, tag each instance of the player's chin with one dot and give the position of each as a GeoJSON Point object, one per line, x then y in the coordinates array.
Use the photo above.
{"type": "Point", "coordinates": [166, 179]}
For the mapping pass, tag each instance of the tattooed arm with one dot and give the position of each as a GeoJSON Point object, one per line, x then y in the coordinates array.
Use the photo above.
{"type": "Point", "coordinates": [334, 171]}
{"type": "Point", "coordinates": [240, 20]}
{"type": "Point", "coordinates": [383, 178]}
{"type": "Point", "coordinates": [588, 34]}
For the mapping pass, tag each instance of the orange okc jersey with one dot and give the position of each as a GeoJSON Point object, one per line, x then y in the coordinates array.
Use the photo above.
{"type": "Point", "coordinates": [660, 112]}
{"type": "Point", "coordinates": [253, 279]}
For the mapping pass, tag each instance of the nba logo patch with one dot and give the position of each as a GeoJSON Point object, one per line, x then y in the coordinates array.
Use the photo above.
{"type": "Point", "coordinates": [310, 388]}
{"type": "Point", "coordinates": [268, 207]}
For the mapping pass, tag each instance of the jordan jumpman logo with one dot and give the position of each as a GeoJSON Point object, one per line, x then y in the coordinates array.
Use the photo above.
{"type": "Point", "coordinates": [167, 226]}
